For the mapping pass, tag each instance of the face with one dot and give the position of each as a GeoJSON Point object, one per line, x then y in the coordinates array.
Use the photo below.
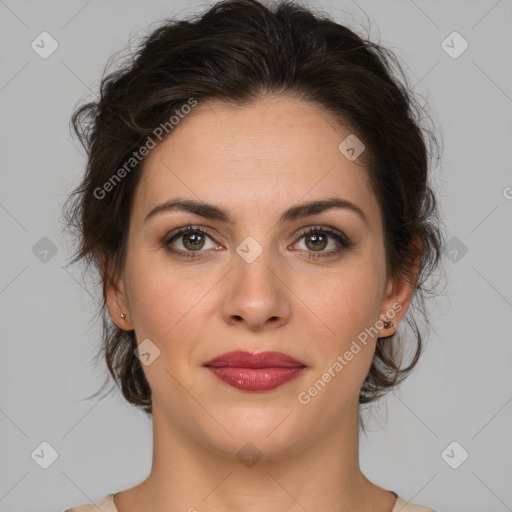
{"type": "Point", "coordinates": [256, 282]}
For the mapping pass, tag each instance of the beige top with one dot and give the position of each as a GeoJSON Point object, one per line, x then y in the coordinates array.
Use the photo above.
{"type": "Point", "coordinates": [107, 505]}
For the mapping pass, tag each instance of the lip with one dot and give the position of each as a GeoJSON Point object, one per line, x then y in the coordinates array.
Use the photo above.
{"type": "Point", "coordinates": [242, 359]}
{"type": "Point", "coordinates": [262, 371]}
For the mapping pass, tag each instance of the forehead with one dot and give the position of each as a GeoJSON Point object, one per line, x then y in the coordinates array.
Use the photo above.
{"type": "Point", "coordinates": [276, 151]}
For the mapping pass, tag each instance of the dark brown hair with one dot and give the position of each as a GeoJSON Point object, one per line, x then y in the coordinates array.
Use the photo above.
{"type": "Point", "coordinates": [238, 51]}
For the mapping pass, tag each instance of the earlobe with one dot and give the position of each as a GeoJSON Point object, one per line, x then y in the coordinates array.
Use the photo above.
{"type": "Point", "coordinates": [398, 298]}
{"type": "Point", "coordinates": [116, 299]}
{"type": "Point", "coordinates": [118, 309]}
{"type": "Point", "coordinates": [395, 306]}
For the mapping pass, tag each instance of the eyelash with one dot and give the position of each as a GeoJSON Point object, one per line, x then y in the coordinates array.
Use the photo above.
{"type": "Point", "coordinates": [342, 240]}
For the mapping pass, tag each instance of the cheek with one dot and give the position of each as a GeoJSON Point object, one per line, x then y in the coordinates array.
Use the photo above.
{"type": "Point", "coordinates": [165, 301]}
{"type": "Point", "coordinates": [347, 303]}
{"type": "Point", "coordinates": [346, 300]}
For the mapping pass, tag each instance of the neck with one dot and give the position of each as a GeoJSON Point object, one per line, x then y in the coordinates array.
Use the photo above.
{"type": "Point", "coordinates": [191, 476]}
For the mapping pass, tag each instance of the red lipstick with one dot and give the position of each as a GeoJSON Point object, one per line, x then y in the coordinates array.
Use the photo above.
{"type": "Point", "coordinates": [255, 372]}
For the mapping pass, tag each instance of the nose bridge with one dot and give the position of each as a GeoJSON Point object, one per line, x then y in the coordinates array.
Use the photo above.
{"type": "Point", "coordinates": [254, 270]}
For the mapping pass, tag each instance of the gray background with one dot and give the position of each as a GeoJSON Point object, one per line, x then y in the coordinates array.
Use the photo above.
{"type": "Point", "coordinates": [462, 389]}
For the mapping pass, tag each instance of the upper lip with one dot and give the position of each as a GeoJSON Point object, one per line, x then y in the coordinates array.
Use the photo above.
{"type": "Point", "coordinates": [242, 359]}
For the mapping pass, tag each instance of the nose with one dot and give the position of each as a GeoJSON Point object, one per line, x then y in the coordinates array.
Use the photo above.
{"type": "Point", "coordinates": [257, 294]}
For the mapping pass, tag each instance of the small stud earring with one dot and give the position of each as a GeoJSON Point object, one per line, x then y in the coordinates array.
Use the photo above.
{"type": "Point", "coordinates": [123, 315]}
{"type": "Point", "coordinates": [389, 324]}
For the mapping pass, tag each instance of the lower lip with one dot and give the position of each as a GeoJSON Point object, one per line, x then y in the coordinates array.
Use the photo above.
{"type": "Point", "coordinates": [255, 379]}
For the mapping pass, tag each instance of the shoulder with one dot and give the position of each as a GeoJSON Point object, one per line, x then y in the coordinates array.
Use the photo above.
{"type": "Point", "coordinates": [405, 506]}
{"type": "Point", "coordinates": [105, 505]}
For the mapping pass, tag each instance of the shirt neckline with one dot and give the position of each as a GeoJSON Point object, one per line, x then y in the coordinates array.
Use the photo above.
{"type": "Point", "coordinates": [110, 500]}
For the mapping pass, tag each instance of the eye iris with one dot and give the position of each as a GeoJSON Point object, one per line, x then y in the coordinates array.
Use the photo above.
{"type": "Point", "coordinates": [318, 243]}
{"type": "Point", "coordinates": [197, 243]}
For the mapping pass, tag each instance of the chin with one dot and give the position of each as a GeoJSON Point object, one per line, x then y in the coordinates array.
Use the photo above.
{"type": "Point", "coordinates": [257, 433]}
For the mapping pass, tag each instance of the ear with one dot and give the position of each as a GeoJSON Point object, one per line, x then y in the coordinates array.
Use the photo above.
{"type": "Point", "coordinates": [116, 297]}
{"type": "Point", "coordinates": [398, 295]}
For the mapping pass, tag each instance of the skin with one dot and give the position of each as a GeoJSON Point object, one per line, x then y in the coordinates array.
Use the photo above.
{"type": "Point", "coordinates": [255, 161]}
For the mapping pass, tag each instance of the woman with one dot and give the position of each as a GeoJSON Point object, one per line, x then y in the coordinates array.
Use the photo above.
{"type": "Point", "coordinates": [257, 202]}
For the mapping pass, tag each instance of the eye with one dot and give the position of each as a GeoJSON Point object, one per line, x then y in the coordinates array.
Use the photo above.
{"type": "Point", "coordinates": [316, 239]}
{"type": "Point", "coordinates": [192, 241]}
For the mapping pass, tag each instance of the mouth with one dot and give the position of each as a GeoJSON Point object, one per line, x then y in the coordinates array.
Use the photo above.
{"type": "Point", "coordinates": [255, 372]}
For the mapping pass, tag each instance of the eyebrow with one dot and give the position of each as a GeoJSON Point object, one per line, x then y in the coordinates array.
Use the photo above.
{"type": "Point", "coordinates": [211, 211]}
